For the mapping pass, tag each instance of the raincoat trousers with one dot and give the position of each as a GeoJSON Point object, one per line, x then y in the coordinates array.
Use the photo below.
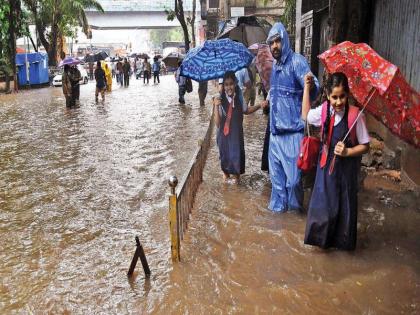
{"type": "Point", "coordinates": [286, 124]}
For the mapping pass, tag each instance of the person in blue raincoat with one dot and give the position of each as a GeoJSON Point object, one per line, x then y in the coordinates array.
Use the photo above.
{"type": "Point", "coordinates": [286, 124]}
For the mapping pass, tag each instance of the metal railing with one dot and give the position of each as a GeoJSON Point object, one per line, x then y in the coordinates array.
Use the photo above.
{"type": "Point", "coordinates": [181, 200]}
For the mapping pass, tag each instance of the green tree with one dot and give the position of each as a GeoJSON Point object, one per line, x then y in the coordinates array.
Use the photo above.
{"type": "Point", "coordinates": [55, 19]}
{"type": "Point", "coordinates": [13, 25]}
{"type": "Point", "coordinates": [158, 36]}
{"type": "Point", "coordinates": [289, 16]}
{"type": "Point", "coordinates": [191, 21]}
{"type": "Point", "coordinates": [178, 13]}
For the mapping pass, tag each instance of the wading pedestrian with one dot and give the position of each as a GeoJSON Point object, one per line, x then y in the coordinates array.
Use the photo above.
{"type": "Point", "coordinates": [100, 81]}
{"type": "Point", "coordinates": [126, 72]}
{"type": "Point", "coordinates": [181, 80]}
{"type": "Point", "coordinates": [286, 125]}
{"type": "Point", "coordinates": [146, 71]}
{"type": "Point", "coordinates": [332, 215]}
{"type": "Point", "coordinates": [228, 115]}
{"type": "Point", "coordinates": [67, 88]}
{"type": "Point", "coordinates": [75, 78]}
{"type": "Point", "coordinates": [156, 70]}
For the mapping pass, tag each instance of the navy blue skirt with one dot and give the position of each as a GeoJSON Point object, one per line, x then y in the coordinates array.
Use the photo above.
{"type": "Point", "coordinates": [332, 214]}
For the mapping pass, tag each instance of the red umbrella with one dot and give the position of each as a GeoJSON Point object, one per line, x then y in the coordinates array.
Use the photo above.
{"type": "Point", "coordinates": [379, 86]}
{"type": "Point", "coordinates": [264, 63]}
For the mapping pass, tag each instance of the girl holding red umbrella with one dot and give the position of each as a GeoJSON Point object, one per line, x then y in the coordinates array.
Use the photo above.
{"type": "Point", "coordinates": [332, 214]}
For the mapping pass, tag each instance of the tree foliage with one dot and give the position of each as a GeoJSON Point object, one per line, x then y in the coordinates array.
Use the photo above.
{"type": "Point", "coordinates": [289, 16]}
{"type": "Point", "coordinates": [55, 19]}
{"type": "Point", "coordinates": [158, 36]}
{"type": "Point", "coordinates": [13, 24]}
{"type": "Point", "coordinates": [178, 13]}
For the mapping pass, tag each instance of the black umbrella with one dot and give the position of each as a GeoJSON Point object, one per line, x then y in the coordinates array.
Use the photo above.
{"type": "Point", "coordinates": [89, 58]}
{"type": "Point", "coordinates": [172, 59]}
{"type": "Point", "coordinates": [247, 30]}
{"type": "Point", "coordinates": [96, 57]}
{"type": "Point", "coordinates": [101, 56]}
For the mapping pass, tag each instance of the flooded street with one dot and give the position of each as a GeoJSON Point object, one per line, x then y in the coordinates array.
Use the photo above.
{"type": "Point", "coordinates": [240, 258]}
{"type": "Point", "coordinates": [77, 185]}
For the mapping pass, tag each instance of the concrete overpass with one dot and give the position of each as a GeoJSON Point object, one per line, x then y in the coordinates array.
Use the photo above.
{"type": "Point", "coordinates": [135, 14]}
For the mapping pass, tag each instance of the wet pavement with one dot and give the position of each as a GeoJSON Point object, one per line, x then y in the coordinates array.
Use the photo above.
{"type": "Point", "coordinates": [77, 185]}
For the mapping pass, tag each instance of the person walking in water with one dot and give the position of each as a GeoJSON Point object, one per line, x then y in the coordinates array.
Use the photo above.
{"type": "Point", "coordinates": [100, 81]}
{"type": "Point", "coordinates": [286, 125]}
{"type": "Point", "coordinates": [67, 86]}
{"type": "Point", "coordinates": [91, 66]}
{"type": "Point", "coordinates": [228, 116]}
{"type": "Point", "coordinates": [75, 78]}
{"type": "Point", "coordinates": [181, 80]}
{"type": "Point", "coordinates": [108, 75]}
{"type": "Point", "coordinates": [202, 92]}
{"type": "Point", "coordinates": [156, 70]}
{"type": "Point", "coordinates": [146, 71]}
{"type": "Point", "coordinates": [332, 215]}
{"type": "Point", "coordinates": [126, 72]}
{"type": "Point", "coordinates": [113, 69]}
{"type": "Point", "coordinates": [120, 74]}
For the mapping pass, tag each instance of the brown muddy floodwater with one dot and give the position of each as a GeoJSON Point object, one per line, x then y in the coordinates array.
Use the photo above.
{"type": "Point", "coordinates": [77, 185]}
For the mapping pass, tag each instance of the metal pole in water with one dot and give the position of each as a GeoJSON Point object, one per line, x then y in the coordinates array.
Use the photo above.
{"type": "Point", "coordinates": [174, 220]}
{"type": "Point", "coordinates": [143, 258]}
{"type": "Point", "coordinates": [139, 254]}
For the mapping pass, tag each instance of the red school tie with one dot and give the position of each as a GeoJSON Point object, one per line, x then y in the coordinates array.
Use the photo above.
{"type": "Point", "coordinates": [226, 128]}
{"type": "Point", "coordinates": [326, 146]}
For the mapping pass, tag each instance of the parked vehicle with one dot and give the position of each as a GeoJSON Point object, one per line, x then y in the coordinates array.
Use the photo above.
{"type": "Point", "coordinates": [58, 78]}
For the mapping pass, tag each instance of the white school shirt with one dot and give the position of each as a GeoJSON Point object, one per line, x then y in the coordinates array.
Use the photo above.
{"type": "Point", "coordinates": [222, 111]}
{"type": "Point", "coordinates": [315, 118]}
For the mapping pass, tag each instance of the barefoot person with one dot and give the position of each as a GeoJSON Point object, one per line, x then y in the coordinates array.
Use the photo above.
{"type": "Point", "coordinates": [228, 114]}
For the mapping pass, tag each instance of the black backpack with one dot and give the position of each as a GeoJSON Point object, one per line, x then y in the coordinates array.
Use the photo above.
{"type": "Point", "coordinates": [188, 85]}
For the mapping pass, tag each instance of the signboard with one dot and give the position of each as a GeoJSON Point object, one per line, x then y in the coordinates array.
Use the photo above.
{"type": "Point", "coordinates": [237, 11]}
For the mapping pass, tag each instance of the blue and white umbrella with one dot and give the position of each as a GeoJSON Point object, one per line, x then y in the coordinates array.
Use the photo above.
{"type": "Point", "coordinates": [215, 57]}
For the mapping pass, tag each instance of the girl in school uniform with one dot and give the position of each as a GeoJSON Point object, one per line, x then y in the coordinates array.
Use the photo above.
{"type": "Point", "coordinates": [228, 114]}
{"type": "Point", "coordinates": [332, 214]}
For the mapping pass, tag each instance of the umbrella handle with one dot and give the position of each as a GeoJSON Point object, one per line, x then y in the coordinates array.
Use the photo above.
{"type": "Point", "coordinates": [372, 92]}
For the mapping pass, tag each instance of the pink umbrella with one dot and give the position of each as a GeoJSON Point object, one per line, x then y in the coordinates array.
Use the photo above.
{"type": "Point", "coordinates": [264, 63]}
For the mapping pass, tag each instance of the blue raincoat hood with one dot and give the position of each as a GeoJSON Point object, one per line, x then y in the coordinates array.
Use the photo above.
{"type": "Point", "coordinates": [278, 30]}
